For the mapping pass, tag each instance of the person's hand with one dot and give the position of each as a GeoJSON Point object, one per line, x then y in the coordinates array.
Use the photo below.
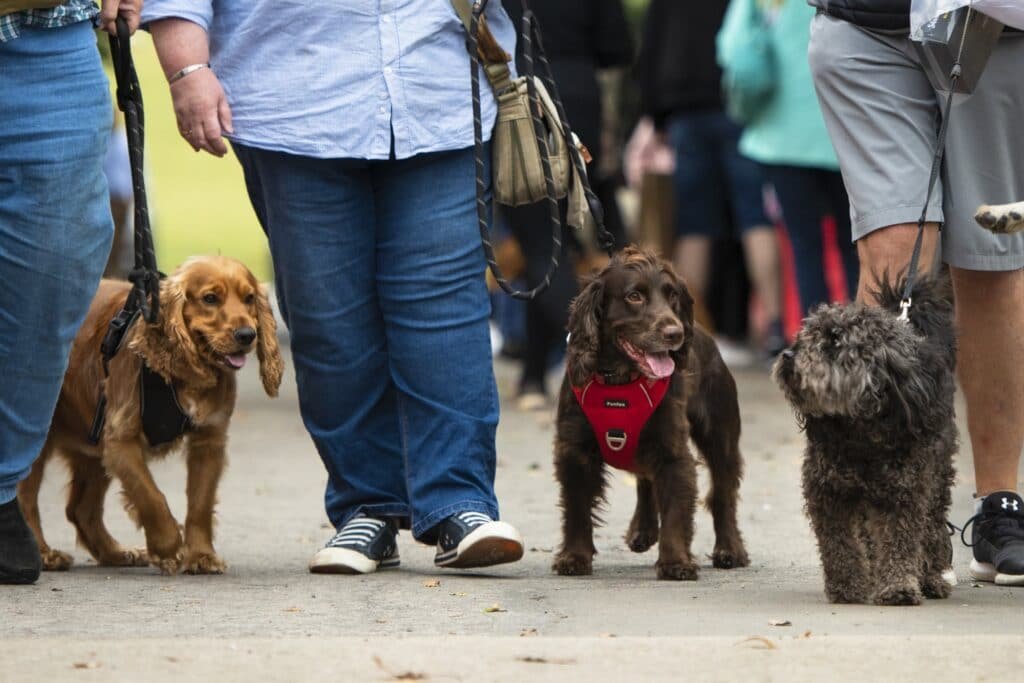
{"type": "Point", "coordinates": [202, 111]}
{"type": "Point", "coordinates": [129, 10]}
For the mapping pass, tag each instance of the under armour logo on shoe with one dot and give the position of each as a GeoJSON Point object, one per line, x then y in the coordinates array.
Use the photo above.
{"type": "Point", "coordinates": [1011, 504]}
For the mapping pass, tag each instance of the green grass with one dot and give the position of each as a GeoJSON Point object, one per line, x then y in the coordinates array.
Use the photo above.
{"type": "Point", "coordinates": [197, 202]}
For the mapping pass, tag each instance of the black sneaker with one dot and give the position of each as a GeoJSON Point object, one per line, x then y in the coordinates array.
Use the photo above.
{"type": "Point", "coordinates": [998, 539]}
{"type": "Point", "coordinates": [19, 554]}
{"type": "Point", "coordinates": [472, 539]}
{"type": "Point", "coordinates": [363, 545]}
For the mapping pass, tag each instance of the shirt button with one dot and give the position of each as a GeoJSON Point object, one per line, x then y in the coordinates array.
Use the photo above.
{"type": "Point", "coordinates": [387, 69]}
{"type": "Point", "coordinates": [383, 109]}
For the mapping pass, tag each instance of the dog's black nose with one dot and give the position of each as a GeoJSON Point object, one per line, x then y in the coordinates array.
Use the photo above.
{"type": "Point", "coordinates": [673, 334]}
{"type": "Point", "coordinates": [245, 335]}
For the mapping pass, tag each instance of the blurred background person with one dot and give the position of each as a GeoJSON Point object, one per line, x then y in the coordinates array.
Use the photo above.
{"type": "Point", "coordinates": [581, 37]}
{"type": "Point", "coordinates": [787, 136]}
{"type": "Point", "coordinates": [680, 84]}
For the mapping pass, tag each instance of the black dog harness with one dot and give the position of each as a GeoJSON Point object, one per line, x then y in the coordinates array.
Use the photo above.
{"type": "Point", "coordinates": [163, 419]}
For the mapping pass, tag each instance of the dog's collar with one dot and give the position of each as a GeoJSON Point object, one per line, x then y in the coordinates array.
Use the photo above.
{"type": "Point", "coordinates": [618, 413]}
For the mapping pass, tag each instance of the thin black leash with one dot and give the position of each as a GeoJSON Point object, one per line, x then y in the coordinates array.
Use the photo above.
{"type": "Point", "coordinates": [530, 32]}
{"type": "Point", "coordinates": [906, 301]}
{"type": "Point", "coordinates": [144, 297]}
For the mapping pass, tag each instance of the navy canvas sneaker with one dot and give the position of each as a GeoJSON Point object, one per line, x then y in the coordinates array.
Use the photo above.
{"type": "Point", "coordinates": [472, 539]}
{"type": "Point", "coordinates": [363, 545]}
{"type": "Point", "coordinates": [998, 539]}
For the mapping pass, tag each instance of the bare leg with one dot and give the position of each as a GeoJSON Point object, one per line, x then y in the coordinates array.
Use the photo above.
{"type": "Point", "coordinates": [692, 258]}
{"type": "Point", "coordinates": [990, 318]}
{"type": "Point", "coordinates": [888, 251]}
{"type": "Point", "coordinates": [761, 253]}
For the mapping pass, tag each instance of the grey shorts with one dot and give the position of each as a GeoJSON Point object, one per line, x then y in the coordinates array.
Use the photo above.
{"type": "Point", "coordinates": [883, 114]}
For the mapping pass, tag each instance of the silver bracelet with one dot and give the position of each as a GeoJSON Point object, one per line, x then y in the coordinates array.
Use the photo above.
{"type": "Point", "coordinates": [178, 75]}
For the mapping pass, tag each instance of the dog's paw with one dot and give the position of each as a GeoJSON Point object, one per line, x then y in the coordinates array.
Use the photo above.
{"type": "Point", "coordinates": [935, 587]}
{"type": "Point", "coordinates": [203, 563]}
{"type": "Point", "coordinates": [641, 540]}
{"type": "Point", "coordinates": [898, 596]}
{"type": "Point", "coordinates": [1002, 219]}
{"type": "Point", "coordinates": [55, 560]}
{"type": "Point", "coordinates": [844, 595]}
{"type": "Point", "coordinates": [676, 571]}
{"type": "Point", "coordinates": [126, 557]}
{"type": "Point", "coordinates": [730, 558]}
{"type": "Point", "coordinates": [567, 564]}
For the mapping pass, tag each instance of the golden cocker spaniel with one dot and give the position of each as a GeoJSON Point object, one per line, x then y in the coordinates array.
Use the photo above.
{"type": "Point", "coordinates": [212, 314]}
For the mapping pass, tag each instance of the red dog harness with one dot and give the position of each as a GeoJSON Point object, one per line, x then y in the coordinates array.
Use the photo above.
{"type": "Point", "coordinates": [618, 412]}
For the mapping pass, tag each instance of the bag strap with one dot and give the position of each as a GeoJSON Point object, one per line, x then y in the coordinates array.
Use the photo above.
{"type": "Point", "coordinates": [495, 59]}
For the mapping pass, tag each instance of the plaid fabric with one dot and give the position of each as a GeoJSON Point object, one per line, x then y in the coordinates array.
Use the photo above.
{"type": "Point", "coordinates": [70, 12]}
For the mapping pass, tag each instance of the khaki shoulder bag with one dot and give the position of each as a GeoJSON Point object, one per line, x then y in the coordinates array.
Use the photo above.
{"type": "Point", "coordinates": [535, 156]}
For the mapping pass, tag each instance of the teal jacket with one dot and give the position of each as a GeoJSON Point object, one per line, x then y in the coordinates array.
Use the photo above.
{"type": "Point", "coordinates": [790, 130]}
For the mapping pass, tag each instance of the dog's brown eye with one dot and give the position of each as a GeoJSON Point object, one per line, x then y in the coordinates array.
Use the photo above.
{"type": "Point", "coordinates": [250, 300]}
{"type": "Point", "coordinates": [210, 298]}
{"type": "Point", "coordinates": [635, 297]}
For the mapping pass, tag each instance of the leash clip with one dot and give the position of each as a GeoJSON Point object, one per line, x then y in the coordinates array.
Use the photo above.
{"type": "Point", "coordinates": [905, 309]}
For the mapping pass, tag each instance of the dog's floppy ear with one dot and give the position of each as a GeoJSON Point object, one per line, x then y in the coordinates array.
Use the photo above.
{"type": "Point", "coordinates": [585, 315]}
{"type": "Point", "coordinates": [168, 346]}
{"type": "Point", "coordinates": [271, 365]}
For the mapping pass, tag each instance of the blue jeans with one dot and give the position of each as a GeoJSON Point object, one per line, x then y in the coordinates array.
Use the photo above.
{"type": "Point", "coordinates": [712, 174]}
{"type": "Point", "coordinates": [806, 196]}
{"type": "Point", "coordinates": [55, 225]}
{"type": "Point", "coordinates": [379, 275]}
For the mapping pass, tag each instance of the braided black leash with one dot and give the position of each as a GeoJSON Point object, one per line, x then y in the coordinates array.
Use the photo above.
{"type": "Point", "coordinates": [144, 297]}
{"type": "Point", "coordinates": [906, 301]}
{"type": "Point", "coordinates": [530, 32]}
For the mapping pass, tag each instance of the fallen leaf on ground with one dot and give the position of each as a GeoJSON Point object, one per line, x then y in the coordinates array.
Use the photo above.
{"type": "Point", "coordinates": [404, 676]}
{"type": "Point", "coordinates": [294, 609]}
{"type": "Point", "coordinates": [779, 622]}
{"type": "Point", "coordinates": [527, 632]}
{"type": "Point", "coordinates": [495, 608]}
{"type": "Point", "coordinates": [460, 594]}
{"type": "Point", "coordinates": [86, 665]}
{"type": "Point", "coordinates": [171, 659]}
{"type": "Point", "coordinates": [607, 635]}
{"type": "Point", "coordinates": [545, 660]}
{"type": "Point", "coordinates": [758, 643]}
{"type": "Point", "coordinates": [807, 634]}
{"type": "Point", "coordinates": [432, 583]}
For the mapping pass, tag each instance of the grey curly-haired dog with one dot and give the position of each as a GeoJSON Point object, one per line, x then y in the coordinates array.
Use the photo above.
{"type": "Point", "coordinates": [874, 395]}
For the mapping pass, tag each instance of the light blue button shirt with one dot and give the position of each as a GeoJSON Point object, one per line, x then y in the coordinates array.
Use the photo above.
{"type": "Point", "coordinates": [336, 79]}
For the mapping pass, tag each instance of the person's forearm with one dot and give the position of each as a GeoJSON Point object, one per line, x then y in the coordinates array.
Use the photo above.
{"type": "Point", "coordinates": [179, 43]}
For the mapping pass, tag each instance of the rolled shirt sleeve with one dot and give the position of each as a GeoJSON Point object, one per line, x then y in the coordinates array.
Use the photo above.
{"type": "Point", "coordinates": [196, 11]}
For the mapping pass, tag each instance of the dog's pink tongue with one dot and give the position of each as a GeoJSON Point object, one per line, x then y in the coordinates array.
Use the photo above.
{"type": "Point", "coordinates": [235, 360]}
{"type": "Point", "coordinates": [661, 364]}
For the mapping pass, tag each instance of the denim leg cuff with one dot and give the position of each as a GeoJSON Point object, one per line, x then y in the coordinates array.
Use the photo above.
{"type": "Point", "coordinates": [7, 494]}
{"type": "Point", "coordinates": [381, 510]}
{"type": "Point", "coordinates": [425, 524]}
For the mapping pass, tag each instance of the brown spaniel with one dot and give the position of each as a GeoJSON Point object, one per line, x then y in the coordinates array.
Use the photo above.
{"type": "Point", "coordinates": [631, 332]}
{"type": "Point", "coordinates": [212, 314]}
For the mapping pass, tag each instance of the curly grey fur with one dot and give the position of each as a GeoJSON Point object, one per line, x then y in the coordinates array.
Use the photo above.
{"type": "Point", "coordinates": [875, 397]}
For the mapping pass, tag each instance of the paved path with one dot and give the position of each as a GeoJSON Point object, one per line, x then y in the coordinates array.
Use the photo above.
{"type": "Point", "coordinates": [269, 619]}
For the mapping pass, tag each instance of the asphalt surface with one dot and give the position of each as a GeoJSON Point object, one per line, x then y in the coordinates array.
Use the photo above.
{"type": "Point", "coordinates": [269, 619]}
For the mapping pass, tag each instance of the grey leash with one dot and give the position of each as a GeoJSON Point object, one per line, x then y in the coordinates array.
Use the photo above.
{"type": "Point", "coordinates": [906, 301]}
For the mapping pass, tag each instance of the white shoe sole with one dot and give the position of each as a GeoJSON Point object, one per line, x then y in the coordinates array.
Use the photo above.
{"type": "Point", "coordinates": [345, 561]}
{"type": "Point", "coordinates": [489, 544]}
{"type": "Point", "coordinates": [985, 571]}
